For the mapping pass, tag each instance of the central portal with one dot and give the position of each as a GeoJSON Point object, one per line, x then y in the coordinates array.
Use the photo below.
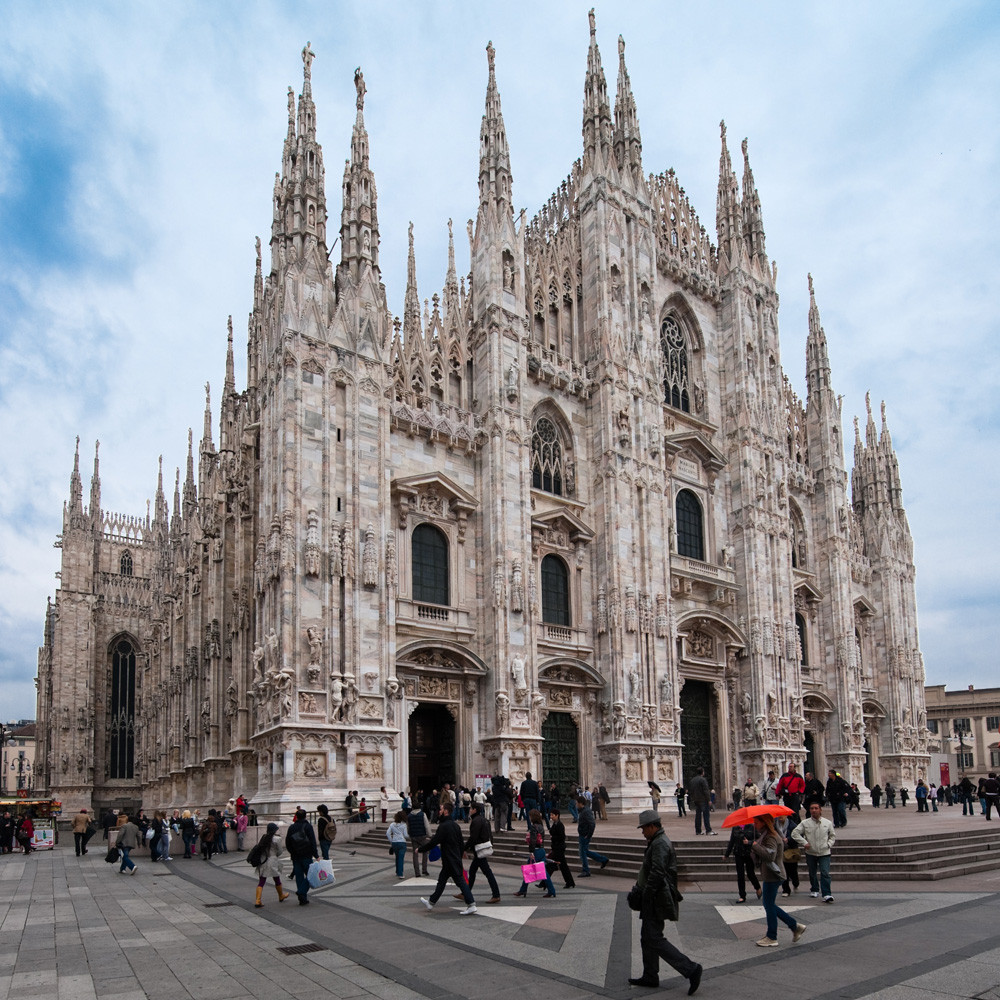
{"type": "Point", "coordinates": [432, 748]}
{"type": "Point", "coordinates": [560, 753]}
{"type": "Point", "coordinates": [696, 730]}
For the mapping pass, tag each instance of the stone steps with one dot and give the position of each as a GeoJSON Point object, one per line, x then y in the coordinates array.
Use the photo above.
{"type": "Point", "coordinates": [915, 858]}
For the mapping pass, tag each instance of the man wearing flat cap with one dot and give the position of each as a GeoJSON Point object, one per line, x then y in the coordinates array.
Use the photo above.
{"type": "Point", "coordinates": [656, 898]}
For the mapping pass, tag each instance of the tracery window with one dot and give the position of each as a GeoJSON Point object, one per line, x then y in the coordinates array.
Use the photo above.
{"type": "Point", "coordinates": [555, 591]}
{"type": "Point", "coordinates": [125, 564]}
{"type": "Point", "coordinates": [122, 701]}
{"type": "Point", "coordinates": [547, 457]}
{"type": "Point", "coordinates": [429, 550]}
{"type": "Point", "coordinates": [690, 526]}
{"type": "Point", "coordinates": [676, 387]}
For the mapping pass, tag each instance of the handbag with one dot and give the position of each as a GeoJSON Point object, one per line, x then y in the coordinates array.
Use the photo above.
{"type": "Point", "coordinates": [535, 872]}
{"type": "Point", "coordinates": [320, 874]}
{"type": "Point", "coordinates": [792, 855]}
{"type": "Point", "coordinates": [634, 898]}
{"type": "Point", "coordinates": [484, 850]}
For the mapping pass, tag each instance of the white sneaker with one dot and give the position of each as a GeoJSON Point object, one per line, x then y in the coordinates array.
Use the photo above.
{"type": "Point", "coordinates": [828, 899]}
{"type": "Point", "coordinates": [133, 869]}
{"type": "Point", "coordinates": [471, 908]}
{"type": "Point", "coordinates": [167, 859]}
{"type": "Point", "coordinates": [815, 895]}
{"type": "Point", "coordinates": [713, 833]}
{"type": "Point", "coordinates": [427, 903]}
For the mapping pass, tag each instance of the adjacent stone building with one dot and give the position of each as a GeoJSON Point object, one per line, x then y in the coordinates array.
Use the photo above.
{"type": "Point", "coordinates": [566, 517]}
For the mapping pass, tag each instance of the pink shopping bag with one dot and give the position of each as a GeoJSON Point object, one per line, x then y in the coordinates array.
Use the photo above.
{"type": "Point", "coordinates": [535, 872]}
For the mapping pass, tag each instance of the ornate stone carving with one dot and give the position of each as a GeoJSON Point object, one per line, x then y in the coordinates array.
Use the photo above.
{"type": "Point", "coordinates": [311, 553]}
{"type": "Point", "coordinates": [602, 610]}
{"type": "Point", "coordinates": [516, 586]}
{"type": "Point", "coordinates": [369, 559]}
{"type": "Point", "coordinates": [368, 767]}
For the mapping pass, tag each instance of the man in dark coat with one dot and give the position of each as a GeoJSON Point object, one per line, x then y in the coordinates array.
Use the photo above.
{"type": "Point", "coordinates": [303, 850]}
{"type": "Point", "coordinates": [530, 795]}
{"type": "Point", "coordinates": [449, 838]}
{"type": "Point", "coordinates": [7, 824]}
{"type": "Point", "coordinates": [557, 831]}
{"type": "Point", "coordinates": [700, 797]}
{"type": "Point", "coordinates": [837, 791]}
{"type": "Point", "coordinates": [586, 824]}
{"type": "Point", "coordinates": [814, 790]}
{"type": "Point", "coordinates": [659, 899]}
{"type": "Point", "coordinates": [479, 833]}
{"type": "Point", "coordinates": [499, 798]}
{"type": "Point", "coordinates": [416, 827]}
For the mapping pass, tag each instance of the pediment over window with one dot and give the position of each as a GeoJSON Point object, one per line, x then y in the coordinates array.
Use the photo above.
{"type": "Point", "coordinates": [805, 593]}
{"type": "Point", "coordinates": [560, 527]}
{"type": "Point", "coordinates": [432, 495]}
{"type": "Point", "coordinates": [864, 608]}
{"type": "Point", "coordinates": [570, 672]}
{"type": "Point", "coordinates": [696, 446]}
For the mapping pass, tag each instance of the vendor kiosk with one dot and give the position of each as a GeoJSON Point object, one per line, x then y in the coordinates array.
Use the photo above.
{"type": "Point", "coordinates": [44, 815]}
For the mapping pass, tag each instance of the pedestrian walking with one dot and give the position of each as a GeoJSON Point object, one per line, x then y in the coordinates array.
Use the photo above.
{"type": "Point", "coordinates": [769, 790]}
{"type": "Point", "coordinates": [449, 838]}
{"type": "Point", "coordinates": [270, 852]}
{"type": "Point", "coordinates": [876, 794]}
{"type": "Point", "coordinates": [700, 797]}
{"type": "Point", "coordinates": [499, 796]}
{"type": "Point", "coordinates": [740, 840]}
{"type": "Point", "coordinates": [815, 835]}
{"type": "Point", "coordinates": [530, 795]}
{"type": "Point", "coordinates": [920, 794]}
{"type": "Point", "coordinates": [535, 839]}
{"type": "Point", "coordinates": [189, 833]}
{"type": "Point", "coordinates": [769, 849]}
{"type": "Point", "coordinates": [679, 795]}
{"type": "Point", "coordinates": [396, 835]}
{"type": "Point", "coordinates": [383, 802]}
{"type": "Point", "coordinates": [790, 789]}
{"type": "Point", "coordinates": [890, 795]}
{"type": "Point", "coordinates": [992, 789]}
{"type": "Point", "coordinates": [792, 855]}
{"type": "Point", "coordinates": [83, 830]}
{"type": "Point", "coordinates": [416, 828]}
{"type": "Point", "coordinates": [128, 841]}
{"type": "Point", "coordinates": [604, 800]}
{"type": "Point", "coordinates": [657, 899]}
{"type": "Point", "coordinates": [7, 825]}
{"type": "Point", "coordinates": [585, 830]}
{"type": "Point", "coordinates": [24, 832]}
{"type": "Point", "coordinates": [303, 850]}
{"type": "Point", "coordinates": [837, 791]}
{"type": "Point", "coordinates": [480, 845]}
{"type": "Point", "coordinates": [557, 853]}
{"type": "Point", "coordinates": [326, 830]}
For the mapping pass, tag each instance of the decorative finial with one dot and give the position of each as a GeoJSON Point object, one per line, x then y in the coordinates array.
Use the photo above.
{"type": "Point", "coordinates": [621, 47]}
{"type": "Point", "coordinates": [743, 146]}
{"type": "Point", "coordinates": [593, 22]}
{"type": "Point", "coordinates": [722, 129]}
{"type": "Point", "coordinates": [291, 106]}
{"type": "Point", "coordinates": [208, 394]}
{"type": "Point", "coordinates": [449, 230]}
{"type": "Point", "coordinates": [307, 60]}
{"type": "Point", "coordinates": [359, 85]}
{"type": "Point", "coordinates": [883, 412]}
{"type": "Point", "coordinates": [257, 244]}
{"type": "Point", "coordinates": [810, 277]}
{"type": "Point", "coordinates": [410, 231]}
{"type": "Point", "coordinates": [490, 55]}
{"type": "Point", "coordinates": [868, 404]}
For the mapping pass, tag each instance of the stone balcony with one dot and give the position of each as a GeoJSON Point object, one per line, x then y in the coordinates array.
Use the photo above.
{"type": "Point", "coordinates": [423, 619]}
{"type": "Point", "coordinates": [702, 581]}
{"type": "Point", "coordinates": [563, 639]}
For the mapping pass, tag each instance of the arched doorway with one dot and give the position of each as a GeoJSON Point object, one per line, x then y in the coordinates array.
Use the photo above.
{"type": "Point", "coordinates": [432, 747]}
{"type": "Point", "coordinates": [868, 764]}
{"type": "Point", "coordinates": [696, 729]}
{"type": "Point", "coordinates": [560, 752]}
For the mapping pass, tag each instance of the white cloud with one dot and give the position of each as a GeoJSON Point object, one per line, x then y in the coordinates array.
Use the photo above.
{"type": "Point", "coordinates": [873, 138]}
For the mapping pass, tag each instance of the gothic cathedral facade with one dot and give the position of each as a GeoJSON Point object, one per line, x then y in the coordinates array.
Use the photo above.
{"type": "Point", "coordinates": [569, 517]}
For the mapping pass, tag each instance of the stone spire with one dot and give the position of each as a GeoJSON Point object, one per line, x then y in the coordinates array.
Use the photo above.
{"type": "Point", "coordinates": [728, 211]}
{"type": "Point", "coordinates": [161, 513]}
{"type": "Point", "coordinates": [190, 491]}
{"type": "Point", "coordinates": [411, 304]}
{"type": "Point", "coordinates": [175, 520]}
{"type": "Point", "coordinates": [628, 142]}
{"type": "Point", "coordinates": [817, 356]}
{"type": "Point", "coordinates": [230, 384]}
{"type": "Point", "coordinates": [876, 483]}
{"type": "Point", "coordinates": [299, 221]}
{"type": "Point", "coordinates": [753, 225]}
{"type": "Point", "coordinates": [494, 156]}
{"type": "Point", "coordinates": [207, 446]}
{"type": "Point", "coordinates": [76, 485]}
{"type": "Point", "coordinates": [359, 237]}
{"type": "Point", "coordinates": [95, 484]}
{"type": "Point", "coordinates": [597, 130]}
{"type": "Point", "coordinates": [255, 322]}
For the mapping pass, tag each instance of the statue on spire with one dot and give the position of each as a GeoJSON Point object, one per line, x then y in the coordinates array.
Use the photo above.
{"type": "Point", "coordinates": [593, 22]}
{"type": "Point", "coordinates": [491, 55]}
{"type": "Point", "coordinates": [307, 60]}
{"type": "Point", "coordinates": [359, 85]}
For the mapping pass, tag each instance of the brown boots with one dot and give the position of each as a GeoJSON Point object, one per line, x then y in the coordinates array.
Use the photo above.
{"type": "Point", "coordinates": [282, 895]}
{"type": "Point", "coordinates": [260, 892]}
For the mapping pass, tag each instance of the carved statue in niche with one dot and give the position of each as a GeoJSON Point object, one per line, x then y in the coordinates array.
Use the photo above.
{"type": "Point", "coordinates": [618, 720]}
{"type": "Point", "coordinates": [272, 648]}
{"type": "Point", "coordinates": [498, 582]}
{"type": "Point", "coordinates": [369, 559]}
{"type": "Point", "coordinates": [502, 711]}
{"type": "Point", "coordinates": [307, 703]}
{"type": "Point", "coordinates": [336, 696]}
{"type": "Point", "coordinates": [284, 683]}
{"type": "Point", "coordinates": [390, 563]}
{"type": "Point", "coordinates": [311, 553]}
{"type": "Point", "coordinates": [758, 730]}
{"type": "Point", "coordinates": [314, 636]}
{"type": "Point", "coordinates": [517, 672]}
{"type": "Point", "coordinates": [631, 614]}
{"type": "Point", "coordinates": [634, 689]}
{"type": "Point", "coordinates": [336, 552]}
{"type": "Point", "coordinates": [349, 543]}
{"type": "Point", "coordinates": [393, 689]}
{"type": "Point", "coordinates": [371, 680]}
{"type": "Point", "coordinates": [351, 701]}
{"type": "Point", "coordinates": [516, 586]}
{"type": "Point", "coordinates": [602, 610]}
{"type": "Point", "coordinates": [666, 693]}
{"type": "Point", "coordinates": [313, 766]}
{"type": "Point", "coordinates": [513, 375]}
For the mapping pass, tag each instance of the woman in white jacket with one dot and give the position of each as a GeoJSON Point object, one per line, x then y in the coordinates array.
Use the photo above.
{"type": "Point", "coordinates": [271, 853]}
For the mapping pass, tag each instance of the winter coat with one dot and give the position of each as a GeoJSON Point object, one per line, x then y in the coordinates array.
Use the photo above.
{"type": "Point", "coordinates": [658, 880]}
{"type": "Point", "coordinates": [479, 832]}
{"type": "Point", "coordinates": [128, 835]}
{"type": "Point", "coordinates": [769, 850]}
{"type": "Point", "coordinates": [449, 839]}
{"type": "Point", "coordinates": [271, 866]}
{"type": "Point", "coordinates": [816, 836]}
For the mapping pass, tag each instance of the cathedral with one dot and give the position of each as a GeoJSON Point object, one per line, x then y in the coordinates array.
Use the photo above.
{"type": "Point", "coordinates": [568, 517]}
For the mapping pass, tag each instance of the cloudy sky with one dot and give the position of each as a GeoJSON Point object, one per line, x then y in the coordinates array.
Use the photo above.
{"type": "Point", "coordinates": [138, 145]}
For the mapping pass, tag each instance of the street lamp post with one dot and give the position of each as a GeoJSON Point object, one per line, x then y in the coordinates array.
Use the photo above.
{"type": "Point", "coordinates": [4, 740]}
{"type": "Point", "coordinates": [23, 769]}
{"type": "Point", "coordinates": [960, 733]}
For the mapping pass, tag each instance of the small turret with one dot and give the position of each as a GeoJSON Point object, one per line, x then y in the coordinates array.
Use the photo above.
{"type": "Point", "coordinates": [75, 508]}
{"type": "Point", "coordinates": [161, 513]}
{"type": "Point", "coordinates": [411, 303]}
{"type": "Point", "coordinates": [95, 487]}
{"type": "Point", "coordinates": [753, 224]}
{"type": "Point", "coordinates": [628, 142]}
{"type": "Point", "coordinates": [817, 356]}
{"type": "Point", "coordinates": [190, 490]}
{"type": "Point", "coordinates": [728, 211]}
{"type": "Point", "coordinates": [494, 158]}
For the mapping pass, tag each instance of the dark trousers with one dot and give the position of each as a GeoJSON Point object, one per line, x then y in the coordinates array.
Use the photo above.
{"type": "Point", "coordinates": [483, 864]}
{"type": "Point", "coordinates": [567, 875]}
{"type": "Point", "coordinates": [702, 811]}
{"type": "Point", "coordinates": [300, 869]}
{"type": "Point", "coordinates": [655, 946]}
{"type": "Point", "coordinates": [419, 856]}
{"type": "Point", "coordinates": [744, 871]}
{"type": "Point", "coordinates": [459, 879]}
{"type": "Point", "coordinates": [81, 842]}
{"type": "Point", "coordinates": [991, 804]}
{"type": "Point", "coordinates": [680, 808]}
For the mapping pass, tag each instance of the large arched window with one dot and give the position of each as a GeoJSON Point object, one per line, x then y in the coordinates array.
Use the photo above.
{"type": "Point", "coordinates": [125, 564]}
{"type": "Point", "coordinates": [676, 389]}
{"type": "Point", "coordinates": [800, 626]}
{"type": "Point", "coordinates": [555, 591]}
{"type": "Point", "coordinates": [122, 704]}
{"type": "Point", "coordinates": [690, 526]}
{"type": "Point", "coordinates": [547, 457]}
{"type": "Point", "coordinates": [429, 550]}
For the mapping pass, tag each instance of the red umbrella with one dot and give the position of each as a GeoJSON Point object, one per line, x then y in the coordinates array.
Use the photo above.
{"type": "Point", "coordinates": [740, 817]}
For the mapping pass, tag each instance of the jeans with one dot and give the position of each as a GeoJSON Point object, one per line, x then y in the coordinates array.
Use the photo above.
{"type": "Point", "coordinates": [529, 804]}
{"type": "Point", "coordinates": [399, 849]}
{"type": "Point", "coordinates": [189, 839]}
{"type": "Point", "coordinates": [539, 855]}
{"type": "Point", "coordinates": [300, 869]}
{"type": "Point", "coordinates": [967, 805]}
{"type": "Point", "coordinates": [127, 862]}
{"type": "Point", "coordinates": [586, 853]}
{"type": "Point", "coordinates": [774, 913]}
{"type": "Point", "coordinates": [680, 808]}
{"type": "Point", "coordinates": [839, 813]}
{"type": "Point", "coordinates": [822, 862]}
{"type": "Point", "coordinates": [573, 811]}
{"type": "Point", "coordinates": [324, 846]}
{"type": "Point", "coordinates": [483, 864]}
{"type": "Point", "coordinates": [701, 814]}
{"type": "Point", "coordinates": [655, 946]}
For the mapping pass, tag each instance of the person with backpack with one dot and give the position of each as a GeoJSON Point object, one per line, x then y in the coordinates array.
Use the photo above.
{"type": "Point", "coordinates": [301, 843]}
{"type": "Point", "coordinates": [207, 832]}
{"type": "Point", "coordinates": [535, 839]}
{"type": "Point", "coordinates": [265, 856]}
{"type": "Point", "coordinates": [416, 828]}
{"type": "Point", "coordinates": [326, 830]}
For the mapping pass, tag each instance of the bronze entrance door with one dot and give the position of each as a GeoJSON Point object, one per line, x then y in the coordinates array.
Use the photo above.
{"type": "Point", "coordinates": [696, 730]}
{"type": "Point", "coordinates": [560, 753]}
{"type": "Point", "coordinates": [432, 748]}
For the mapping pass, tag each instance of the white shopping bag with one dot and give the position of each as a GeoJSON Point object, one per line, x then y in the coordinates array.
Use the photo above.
{"type": "Point", "coordinates": [320, 874]}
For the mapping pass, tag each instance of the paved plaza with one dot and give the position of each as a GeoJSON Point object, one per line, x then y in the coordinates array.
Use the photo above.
{"type": "Point", "coordinates": [74, 929]}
